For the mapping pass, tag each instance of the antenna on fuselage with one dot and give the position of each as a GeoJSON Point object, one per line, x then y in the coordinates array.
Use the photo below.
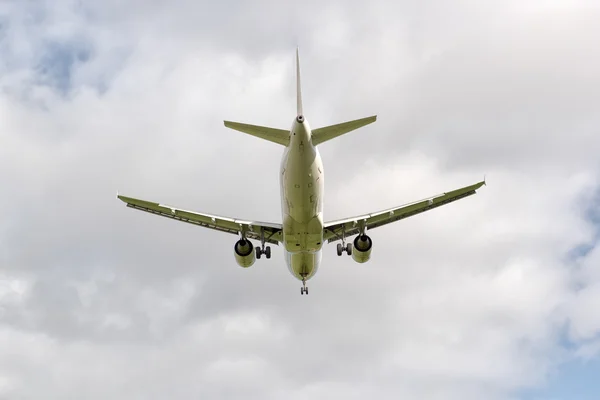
{"type": "Point", "coordinates": [299, 111]}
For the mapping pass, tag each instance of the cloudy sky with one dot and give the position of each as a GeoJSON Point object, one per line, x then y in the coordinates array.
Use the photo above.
{"type": "Point", "coordinates": [493, 297]}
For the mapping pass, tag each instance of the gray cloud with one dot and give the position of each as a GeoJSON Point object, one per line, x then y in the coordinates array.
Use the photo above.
{"type": "Point", "coordinates": [463, 302]}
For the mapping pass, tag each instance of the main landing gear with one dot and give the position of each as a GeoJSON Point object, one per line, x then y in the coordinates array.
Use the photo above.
{"type": "Point", "coordinates": [341, 248]}
{"type": "Point", "coordinates": [262, 249]}
{"type": "Point", "coordinates": [303, 289]}
{"type": "Point", "coordinates": [344, 247]}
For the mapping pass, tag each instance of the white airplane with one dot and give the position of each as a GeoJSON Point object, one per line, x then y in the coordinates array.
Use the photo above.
{"type": "Point", "coordinates": [302, 230]}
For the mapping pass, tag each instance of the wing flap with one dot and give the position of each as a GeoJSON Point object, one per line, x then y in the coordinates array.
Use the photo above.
{"type": "Point", "coordinates": [252, 229]}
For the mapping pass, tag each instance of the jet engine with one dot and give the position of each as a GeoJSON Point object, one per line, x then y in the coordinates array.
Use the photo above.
{"type": "Point", "coordinates": [244, 253]}
{"type": "Point", "coordinates": [362, 248]}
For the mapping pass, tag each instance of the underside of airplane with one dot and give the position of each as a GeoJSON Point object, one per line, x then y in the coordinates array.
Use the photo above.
{"type": "Point", "coordinates": [302, 231]}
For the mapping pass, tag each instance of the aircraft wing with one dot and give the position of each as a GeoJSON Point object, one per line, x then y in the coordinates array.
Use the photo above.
{"type": "Point", "coordinates": [272, 232]}
{"type": "Point", "coordinates": [351, 226]}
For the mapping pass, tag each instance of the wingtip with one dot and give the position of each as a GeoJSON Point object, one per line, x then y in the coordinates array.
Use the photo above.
{"type": "Point", "coordinates": [484, 182]}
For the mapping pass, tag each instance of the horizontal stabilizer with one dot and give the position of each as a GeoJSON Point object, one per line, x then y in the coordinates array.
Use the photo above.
{"type": "Point", "coordinates": [329, 132]}
{"type": "Point", "coordinates": [278, 136]}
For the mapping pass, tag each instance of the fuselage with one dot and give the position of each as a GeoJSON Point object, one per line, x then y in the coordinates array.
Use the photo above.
{"type": "Point", "coordinates": [301, 179]}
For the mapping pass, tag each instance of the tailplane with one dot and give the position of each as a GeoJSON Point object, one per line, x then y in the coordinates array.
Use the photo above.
{"type": "Point", "coordinates": [274, 135]}
{"type": "Point", "coordinates": [282, 137]}
{"type": "Point", "coordinates": [329, 132]}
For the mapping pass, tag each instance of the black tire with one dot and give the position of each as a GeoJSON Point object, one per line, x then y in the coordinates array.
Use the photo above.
{"type": "Point", "coordinates": [258, 253]}
{"type": "Point", "coordinates": [349, 249]}
{"type": "Point", "coordinates": [301, 290]}
{"type": "Point", "coordinates": [268, 251]}
{"type": "Point", "coordinates": [306, 290]}
{"type": "Point", "coordinates": [339, 249]}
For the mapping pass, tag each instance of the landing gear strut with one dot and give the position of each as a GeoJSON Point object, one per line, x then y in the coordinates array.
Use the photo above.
{"type": "Point", "coordinates": [303, 289]}
{"type": "Point", "coordinates": [344, 247]}
{"type": "Point", "coordinates": [341, 248]}
{"type": "Point", "coordinates": [262, 249]}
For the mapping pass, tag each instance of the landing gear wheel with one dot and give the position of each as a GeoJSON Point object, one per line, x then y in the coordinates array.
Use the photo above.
{"type": "Point", "coordinates": [303, 289]}
{"type": "Point", "coordinates": [268, 252]}
{"type": "Point", "coordinates": [339, 249]}
{"type": "Point", "coordinates": [258, 253]}
{"type": "Point", "coordinates": [349, 249]}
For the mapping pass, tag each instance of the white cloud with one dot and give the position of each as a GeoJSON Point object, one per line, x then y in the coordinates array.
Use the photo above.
{"type": "Point", "coordinates": [467, 301]}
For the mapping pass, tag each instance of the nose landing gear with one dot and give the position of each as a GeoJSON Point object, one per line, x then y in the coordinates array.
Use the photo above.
{"type": "Point", "coordinates": [304, 289]}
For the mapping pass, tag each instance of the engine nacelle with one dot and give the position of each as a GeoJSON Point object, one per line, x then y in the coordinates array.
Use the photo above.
{"type": "Point", "coordinates": [244, 253]}
{"type": "Point", "coordinates": [362, 248]}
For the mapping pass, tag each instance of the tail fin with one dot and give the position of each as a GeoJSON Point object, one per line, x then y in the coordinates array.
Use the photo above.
{"type": "Point", "coordinates": [298, 89]}
{"type": "Point", "coordinates": [329, 132]}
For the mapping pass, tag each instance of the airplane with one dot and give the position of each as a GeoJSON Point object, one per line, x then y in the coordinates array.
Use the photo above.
{"type": "Point", "coordinates": [302, 231]}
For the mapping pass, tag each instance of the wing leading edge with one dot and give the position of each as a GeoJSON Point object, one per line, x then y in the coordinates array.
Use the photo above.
{"type": "Point", "coordinates": [253, 230]}
{"type": "Point", "coordinates": [334, 230]}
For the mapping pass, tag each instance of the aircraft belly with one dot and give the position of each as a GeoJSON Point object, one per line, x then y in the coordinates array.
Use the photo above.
{"type": "Point", "coordinates": [303, 264]}
{"type": "Point", "coordinates": [302, 201]}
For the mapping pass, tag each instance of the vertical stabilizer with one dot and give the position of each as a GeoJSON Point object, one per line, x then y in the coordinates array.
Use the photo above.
{"type": "Point", "coordinates": [298, 90]}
